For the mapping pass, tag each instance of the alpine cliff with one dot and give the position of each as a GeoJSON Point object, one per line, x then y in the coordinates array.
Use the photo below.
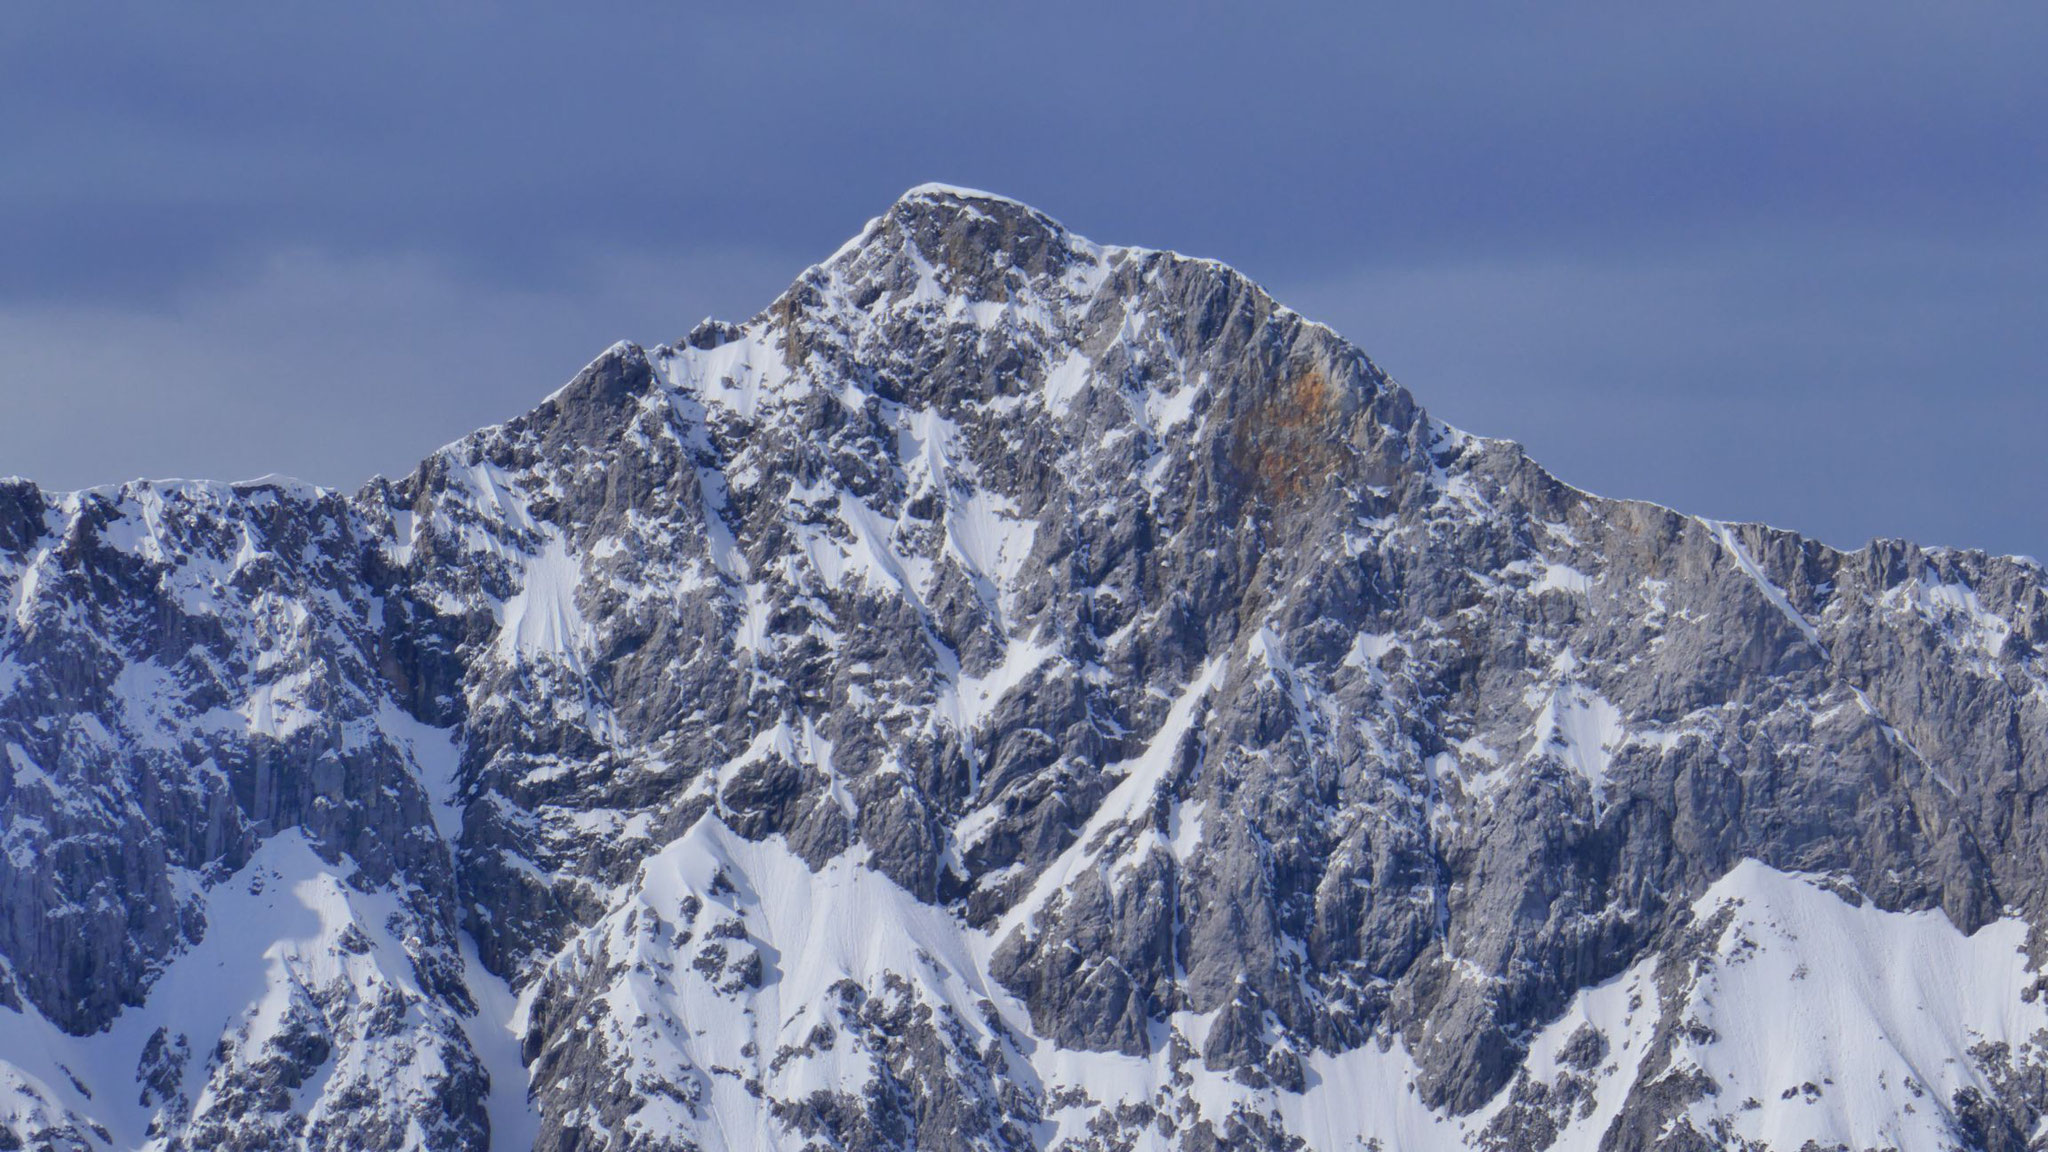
{"type": "Point", "coordinates": [1012, 693]}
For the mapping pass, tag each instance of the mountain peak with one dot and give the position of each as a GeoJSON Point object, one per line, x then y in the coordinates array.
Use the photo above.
{"type": "Point", "coordinates": [935, 191]}
{"type": "Point", "coordinates": [962, 231]}
{"type": "Point", "coordinates": [1012, 693]}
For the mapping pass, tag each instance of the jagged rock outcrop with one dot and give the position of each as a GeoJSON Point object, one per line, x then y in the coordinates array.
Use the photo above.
{"type": "Point", "coordinates": [1011, 693]}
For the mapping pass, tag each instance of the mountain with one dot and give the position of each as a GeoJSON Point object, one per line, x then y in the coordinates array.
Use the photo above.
{"type": "Point", "coordinates": [1011, 693]}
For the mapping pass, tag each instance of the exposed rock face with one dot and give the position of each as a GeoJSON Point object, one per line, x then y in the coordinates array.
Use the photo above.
{"type": "Point", "coordinates": [1010, 694]}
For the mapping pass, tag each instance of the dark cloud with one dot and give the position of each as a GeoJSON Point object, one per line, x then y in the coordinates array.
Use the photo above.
{"type": "Point", "coordinates": [1609, 230]}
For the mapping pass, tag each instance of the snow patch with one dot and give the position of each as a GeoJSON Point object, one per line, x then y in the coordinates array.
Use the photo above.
{"type": "Point", "coordinates": [541, 620]}
{"type": "Point", "coordinates": [1582, 728]}
{"type": "Point", "coordinates": [1868, 1007]}
{"type": "Point", "coordinates": [1142, 778]}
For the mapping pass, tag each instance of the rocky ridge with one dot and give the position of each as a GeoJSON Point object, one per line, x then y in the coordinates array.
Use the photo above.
{"type": "Point", "coordinates": [1011, 693]}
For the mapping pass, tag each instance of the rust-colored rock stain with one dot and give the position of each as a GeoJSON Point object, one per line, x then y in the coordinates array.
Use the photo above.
{"type": "Point", "coordinates": [1289, 443]}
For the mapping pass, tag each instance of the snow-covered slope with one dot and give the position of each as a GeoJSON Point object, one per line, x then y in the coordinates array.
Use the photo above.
{"type": "Point", "coordinates": [1011, 693]}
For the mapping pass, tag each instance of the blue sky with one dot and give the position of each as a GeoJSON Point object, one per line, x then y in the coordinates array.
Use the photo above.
{"type": "Point", "coordinates": [1757, 261]}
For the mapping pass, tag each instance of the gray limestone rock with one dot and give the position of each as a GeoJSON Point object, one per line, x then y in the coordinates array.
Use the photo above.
{"type": "Point", "coordinates": [1205, 706]}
